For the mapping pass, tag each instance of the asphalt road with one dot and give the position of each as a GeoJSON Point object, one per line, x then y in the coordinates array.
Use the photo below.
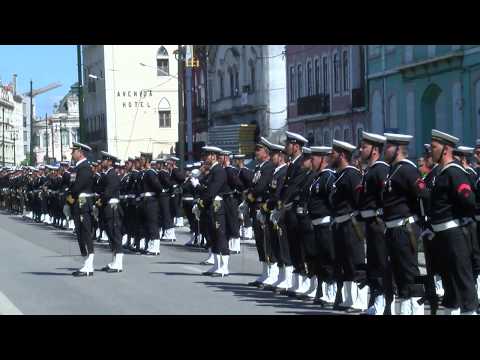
{"type": "Point", "coordinates": [36, 262]}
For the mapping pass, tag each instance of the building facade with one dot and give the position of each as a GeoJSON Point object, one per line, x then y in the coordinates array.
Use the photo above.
{"type": "Point", "coordinates": [326, 89]}
{"type": "Point", "coordinates": [130, 98]}
{"type": "Point", "coordinates": [59, 131]}
{"type": "Point", "coordinates": [12, 125]}
{"type": "Point", "coordinates": [414, 88]}
{"type": "Point", "coordinates": [246, 87]}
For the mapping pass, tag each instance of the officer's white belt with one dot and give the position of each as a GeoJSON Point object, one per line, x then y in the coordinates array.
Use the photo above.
{"type": "Point", "coordinates": [122, 197]}
{"type": "Point", "coordinates": [85, 195]}
{"type": "Point", "coordinates": [218, 198]}
{"type": "Point", "coordinates": [446, 225]}
{"type": "Point", "coordinates": [343, 218]}
{"type": "Point", "coordinates": [187, 198]}
{"type": "Point", "coordinates": [147, 194]}
{"type": "Point", "coordinates": [321, 221]}
{"type": "Point", "coordinates": [113, 201]}
{"type": "Point", "coordinates": [366, 214]}
{"type": "Point", "coordinates": [130, 196]}
{"type": "Point", "coordinates": [477, 217]}
{"type": "Point", "coordinates": [400, 222]}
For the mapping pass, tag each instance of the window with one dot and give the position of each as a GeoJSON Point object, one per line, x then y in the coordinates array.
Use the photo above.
{"type": "Point", "coordinates": [24, 121]}
{"type": "Point", "coordinates": [220, 82]}
{"type": "Point", "coordinates": [232, 83]}
{"type": "Point", "coordinates": [359, 135]}
{"type": "Point", "coordinates": [25, 149]}
{"type": "Point", "coordinates": [337, 134]}
{"type": "Point", "coordinates": [237, 83]}
{"type": "Point", "coordinates": [317, 76]}
{"type": "Point", "coordinates": [309, 79]}
{"type": "Point", "coordinates": [25, 135]}
{"type": "Point", "coordinates": [325, 75]}
{"type": "Point", "coordinates": [164, 119]}
{"type": "Point", "coordinates": [373, 50]}
{"type": "Point", "coordinates": [252, 77]}
{"type": "Point", "coordinates": [162, 62]}
{"type": "Point", "coordinates": [299, 81]}
{"type": "Point", "coordinates": [346, 135]}
{"type": "Point", "coordinates": [336, 73]}
{"type": "Point", "coordinates": [292, 84]}
{"type": "Point", "coordinates": [326, 138]}
{"type": "Point", "coordinates": [346, 85]}
{"type": "Point", "coordinates": [36, 140]}
{"type": "Point", "coordinates": [65, 136]}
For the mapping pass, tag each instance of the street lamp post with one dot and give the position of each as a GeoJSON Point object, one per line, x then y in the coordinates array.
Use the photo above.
{"type": "Point", "coordinates": [14, 138]}
{"type": "Point", "coordinates": [46, 137]}
{"type": "Point", "coordinates": [53, 143]}
{"type": "Point", "coordinates": [61, 140]}
{"type": "Point", "coordinates": [3, 136]}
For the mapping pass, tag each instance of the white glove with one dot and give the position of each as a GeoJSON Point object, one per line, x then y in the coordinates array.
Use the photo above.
{"type": "Point", "coordinates": [66, 211]}
{"type": "Point", "coordinates": [260, 217]}
{"type": "Point", "coordinates": [195, 182]}
{"type": "Point", "coordinates": [275, 216]}
{"type": "Point", "coordinates": [196, 173]}
{"type": "Point", "coordinates": [196, 212]}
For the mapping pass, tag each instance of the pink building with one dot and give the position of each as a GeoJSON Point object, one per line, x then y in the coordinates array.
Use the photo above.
{"type": "Point", "coordinates": [326, 92]}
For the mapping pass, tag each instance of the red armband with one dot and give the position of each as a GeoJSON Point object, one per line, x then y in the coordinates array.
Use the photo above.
{"type": "Point", "coordinates": [421, 184]}
{"type": "Point", "coordinates": [465, 189]}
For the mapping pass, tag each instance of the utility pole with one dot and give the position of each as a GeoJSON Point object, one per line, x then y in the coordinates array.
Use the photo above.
{"type": "Point", "coordinates": [61, 140]}
{"type": "Point", "coordinates": [14, 138]}
{"type": "Point", "coordinates": [32, 161]}
{"type": "Point", "coordinates": [181, 117]}
{"type": "Point", "coordinates": [53, 144]}
{"type": "Point", "coordinates": [190, 63]}
{"type": "Point", "coordinates": [80, 94]}
{"type": "Point", "coordinates": [3, 136]}
{"type": "Point", "coordinates": [46, 137]}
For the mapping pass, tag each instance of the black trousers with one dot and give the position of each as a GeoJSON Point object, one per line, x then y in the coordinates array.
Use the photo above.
{"type": "Point", "coordinates": [260, 232]}
{"type": "Point", "coordinates": [376, 254]}
{"type": "Point", "coordinates": [165, 213]}
{"type": "Point", "coordinates": [217, 228]}
{"type": "Point", "coordinates": [474, 229]}
{"type": "Point", "coordinates": [149, 218]}
{"type": "Point", "coordinates": [280, 248]}
{"type": "Point", "coordinates": [294, 234]}
{"type": "Point", "coordinates": [192, 221]}
{"type": "Point", "coordinates": [83, 225]}
{"type": "Point", "coordinates": [113, 219]}
{"type": "Point", "coordinates": [175, 205]}
{"type": "Point", "coordinates": [204, 227]}
{"type": "Point", "coordinates": [231, 213]}
{"type": "Point", "coordinates": [349, 253]}
{"type": "Point", "coordinates": [454, 248]}
{"type": "Point", "coordinates": [139, 226]}
{"type": "Point", "coordinates": [306, 246]}
{"type": "Point", "coordinates": [324, 253]}
{"type": "Point", "coordinates": [403, 262]}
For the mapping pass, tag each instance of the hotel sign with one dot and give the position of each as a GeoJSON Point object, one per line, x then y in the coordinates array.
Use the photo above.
{"type": "Point", "coordinates": [135, 98]}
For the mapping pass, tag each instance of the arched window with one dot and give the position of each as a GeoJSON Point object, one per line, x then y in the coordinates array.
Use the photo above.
{"type": "Point", "coordinates": [346, 82]}
{"type": "Point", "coordinates": [220, 85]}
{"type": "Point", "coordinates": [236, 91]}
{"type": "Point", "coordinates": [337, 134]}
{"type": "Point", "coordinates": [232, 82]}
{"type": "Point", "coordinates": [326, 138]}
{"type": "Point", "coordinates": [299, 81]}
{"type": "Point", "coordinates": [164, 114]}
{"type": "Point", "coordinates": [252, 77]}
{"type": "Point", "coordinates": [336, 74]}
{"type": "Point", "coordinates": [162, 62]}
{"type": "Point", "coordinates": [309, 79]}
{"type": "Point", "coordinates": [346, 135]}
{"type": "Point", "coordinates": [317, 76]}
{"type": "Point", "coordinates": [292, 84]}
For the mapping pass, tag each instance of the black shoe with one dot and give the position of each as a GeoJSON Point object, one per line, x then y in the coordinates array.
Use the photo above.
{"type": "Point", "coordinates": [254, 283]}
{"type": "Point", "coordinates": [110, 270]}
{"type": "Point", "coordinates": [105, 268]}
{"type": "Point", "coordinates": [79, 273]}
{"type": "Point", "coordinates": [207, 273]}
{"type": "Point", "coordinates": [219, 275]}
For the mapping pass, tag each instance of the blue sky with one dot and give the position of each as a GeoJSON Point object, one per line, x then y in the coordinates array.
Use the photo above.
{"type": "Point", "coordinates": [43, 64]}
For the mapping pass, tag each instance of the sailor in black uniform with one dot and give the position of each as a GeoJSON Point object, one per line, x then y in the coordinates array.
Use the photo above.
{"type": "Point", "coordinates": [188, 191]}
{"type": "Point", "coordinates": [169, 186]}
{"type": "Point", "coordinates": [246, 176]}
{"type": "Point", "coordinates": [212, 200]}
{"type": "Point", "coordinates": [178, 178]}
{"type": "Point", "coordinates": [112, 214]}
{"type": "Point", "coordinates": [81, 198]}
{"type": "Point", "coordinates": [347, 233]}
{"type": "Point", "coordinates": [371, 211]}
{"type": "Point", "coordinates": [322, 254]}
{"type": "Point", "coordinates": [453, 200]}
{"type": "Point", "coordinates": [402, 206]}
{"type": "Point", "coordinates": [255, 197]}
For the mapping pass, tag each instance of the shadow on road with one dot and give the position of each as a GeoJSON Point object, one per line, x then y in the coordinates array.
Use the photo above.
{"type": "Point", "coordinates": [267, 298]}
{"type": "Point", "coordinates": [47, 273]}
{"type": "Point", "coordinates": [176, 273]}
{"type": "Point", "coordinates": [176, 263]}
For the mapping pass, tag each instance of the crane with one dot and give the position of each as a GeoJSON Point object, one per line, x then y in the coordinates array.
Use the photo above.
{"type": "Point", "coordinates": [43, 89]}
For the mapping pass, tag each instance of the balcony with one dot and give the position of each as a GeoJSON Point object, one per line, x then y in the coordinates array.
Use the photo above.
{"type": "Point", "coordinates": [358, 98]}
{"type": "Point", "coordinates": [315, 104]}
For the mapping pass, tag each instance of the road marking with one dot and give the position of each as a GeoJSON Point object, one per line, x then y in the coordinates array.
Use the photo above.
{"type": "Point", "coordinates": [7, 307]}
{"type": "Point", "coordinates": [191, 268]}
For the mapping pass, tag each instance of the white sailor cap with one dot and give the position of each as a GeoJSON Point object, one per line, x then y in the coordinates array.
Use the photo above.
{"type": "Point", "coordinates": [174, 158]}
{"type": "Point", "coordinates": [464, 150]}
{"type": "Point", "coordinates": [277, 148]}
{"type": "Point", "coordinates": [321, 150]}
{"type": "Point", "coordinates": [373, 138]}
{"type": "Point", "coordinates": [307, 150]}
{"type": "Point", "coordinates": [107, 156]}
{"type": "Point", "coordinates": [212, 149]}
{"type": "Point", "coordinates": [444, 137]}
{"type": "Point", "coordinates": [342, 145]}
{"type": "Point", "coordinates": [239, 156]}
{"type": "Point", "coordinates": [189, 166]}
{"type": "Point", "coordinates": [264, 143]}
{"type": "Point", "coordinates": [295, 138]}
{"type": "Point", "coordinates": [153, 162]}
{"type": "Point", "coordinates": [226, 153]}
{"type": "Point", "coordinates": [65, 163]}
{"type": "Point", "coordinates": [197, 164]}
{"type": "Point", "coordinates": [80, 146]}
{"type": "Point", "coordinates": [398, 139]}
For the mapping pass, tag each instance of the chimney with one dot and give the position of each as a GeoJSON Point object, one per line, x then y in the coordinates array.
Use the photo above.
{"type": "Point", "coordinates": [14, 84]}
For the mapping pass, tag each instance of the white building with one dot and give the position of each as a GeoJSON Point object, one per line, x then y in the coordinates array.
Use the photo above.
{"type": "Point", "coordinates": [130, 98]}
{"type": "Point", "coordinates": [247, 85]}
{"type": "Point", "coordinates": [63, 125]}
{"type": "Point", "coordinates": [11, 125]}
